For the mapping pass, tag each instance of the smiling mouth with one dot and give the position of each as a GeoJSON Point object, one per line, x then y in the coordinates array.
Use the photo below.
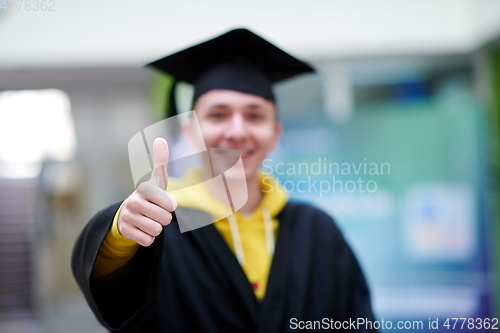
{"type": "Point", "coordinates": [234, 153]}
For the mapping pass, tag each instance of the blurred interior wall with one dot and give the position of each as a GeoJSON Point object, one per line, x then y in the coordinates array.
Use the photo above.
{"type": "Point", "coordinates": [108, 107]}
{"type": "Point", "coordinates": [491, 58]}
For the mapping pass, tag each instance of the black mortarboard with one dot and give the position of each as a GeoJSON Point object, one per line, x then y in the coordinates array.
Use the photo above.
{"type": "Point", "coordinates": [237, 60]}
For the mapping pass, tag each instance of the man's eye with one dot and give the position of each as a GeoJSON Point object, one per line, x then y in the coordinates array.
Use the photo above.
{"type": "Point", "coordinates": [217, 115]}
{"type": "Point", "coordinates": [255, 116]}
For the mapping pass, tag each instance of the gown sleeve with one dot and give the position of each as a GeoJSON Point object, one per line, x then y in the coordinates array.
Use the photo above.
{"type": "Point", "coordinates": [115, 251]}
{"type": "Point", "coordinates": [123, 300]}
{"type": "Point", "coordinates": [361, 308]}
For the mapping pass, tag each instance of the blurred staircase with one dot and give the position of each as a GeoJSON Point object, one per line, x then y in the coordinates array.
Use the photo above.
{"type": "Point", "coordinates": [17, 223]}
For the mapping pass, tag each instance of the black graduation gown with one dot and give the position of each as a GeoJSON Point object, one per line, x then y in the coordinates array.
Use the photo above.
{"type": "Point", "coordinates": [192, 282]}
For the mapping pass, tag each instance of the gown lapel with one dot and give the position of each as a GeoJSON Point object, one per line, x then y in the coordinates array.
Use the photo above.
{"type": "Point", "coordinates": [273, 307]}
{"type": "Point", "coordinates": [230, 265]}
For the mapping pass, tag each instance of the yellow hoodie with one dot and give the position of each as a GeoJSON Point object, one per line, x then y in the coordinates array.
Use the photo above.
{"type": "Point", "coordinates": [252, 247]}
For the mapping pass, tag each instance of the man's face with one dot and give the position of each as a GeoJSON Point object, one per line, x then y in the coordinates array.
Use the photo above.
{"type": "Point", "coordinates": [243, 122]}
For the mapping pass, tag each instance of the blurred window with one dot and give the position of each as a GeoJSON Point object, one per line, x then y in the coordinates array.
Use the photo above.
{"type": "Point", "coordinates": [34, 125]}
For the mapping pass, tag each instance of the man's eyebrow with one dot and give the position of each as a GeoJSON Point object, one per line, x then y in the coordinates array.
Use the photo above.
{"type": "Point", "coordinates": [255, 106]}
{"type": "Point", "coordinates": [219, 106]}
{"type": "Point", "coordinates": [223, 106]}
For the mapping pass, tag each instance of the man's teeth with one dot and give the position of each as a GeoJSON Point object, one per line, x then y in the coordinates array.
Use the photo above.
{"type": "Point", "coordinates": [234, 152]}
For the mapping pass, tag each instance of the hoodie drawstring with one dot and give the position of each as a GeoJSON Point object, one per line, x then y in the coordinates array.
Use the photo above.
{"type": "Point", "coordinates": [235, 235]}
{"type": "Point", "coordinates": [268, 227]}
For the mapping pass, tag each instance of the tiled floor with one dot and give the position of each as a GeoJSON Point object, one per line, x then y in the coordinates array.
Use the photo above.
{"type": "Point", "coordinates": [68, 315]}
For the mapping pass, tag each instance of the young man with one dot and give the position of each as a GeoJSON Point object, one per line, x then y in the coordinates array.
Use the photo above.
{"type": "Point", "coordinates": [273, 266]}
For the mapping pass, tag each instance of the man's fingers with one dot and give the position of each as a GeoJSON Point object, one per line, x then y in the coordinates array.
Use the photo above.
{"type": "Point", "coordinates": [138, 210]}
{"type": "Point", "coordinates": [136, 234]}
{"type": "Point", "coordinates": [142, 229]}
{"type": "Point", "coordinates": [142, 238]}
{"type": "Point", "coordinates": [149, 226]}
{"type": "Point", "coordinates": [159, 175]}
{"type": "Point", "coordinates": [159, 215]}
{"type": "Point", "coordinates": [157, 196]}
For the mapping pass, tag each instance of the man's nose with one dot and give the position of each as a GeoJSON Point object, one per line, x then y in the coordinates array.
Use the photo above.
{"type": "Point", "coordinates": [237, 128]}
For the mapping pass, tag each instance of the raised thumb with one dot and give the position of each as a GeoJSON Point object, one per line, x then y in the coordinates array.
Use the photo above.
{"type": "Point", "coordinates": [159, 176]}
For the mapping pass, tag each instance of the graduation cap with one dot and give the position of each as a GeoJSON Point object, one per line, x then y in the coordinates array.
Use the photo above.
{"type": "Point", "coordinates": [238, 60]}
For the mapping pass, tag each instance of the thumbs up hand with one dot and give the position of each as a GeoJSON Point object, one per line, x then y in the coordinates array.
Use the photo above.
{"type": "Point", "coordinates": [149, 207]}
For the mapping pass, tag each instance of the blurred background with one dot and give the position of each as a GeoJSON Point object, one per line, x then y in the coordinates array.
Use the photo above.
{"type": "Point", "coordinates": [401, 120]}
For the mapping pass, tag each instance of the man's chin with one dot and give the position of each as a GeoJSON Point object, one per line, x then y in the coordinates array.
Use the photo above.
{"type": "Point", "coordinates": [237, 172]}
{"type": "Point", "coordinates": [234, 166]}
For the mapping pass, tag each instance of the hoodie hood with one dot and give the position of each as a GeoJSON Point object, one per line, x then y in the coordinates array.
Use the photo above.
{"type": "Point", "coordinates": [199, 197]}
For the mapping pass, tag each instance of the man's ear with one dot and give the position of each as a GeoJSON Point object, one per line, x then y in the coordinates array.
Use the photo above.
{"type": "Point", "coordinates": [191, 131]}
{"type": "Point", "coordinates": [278, 129]}
{"type": "Point", "coordinates": [187, 131]}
